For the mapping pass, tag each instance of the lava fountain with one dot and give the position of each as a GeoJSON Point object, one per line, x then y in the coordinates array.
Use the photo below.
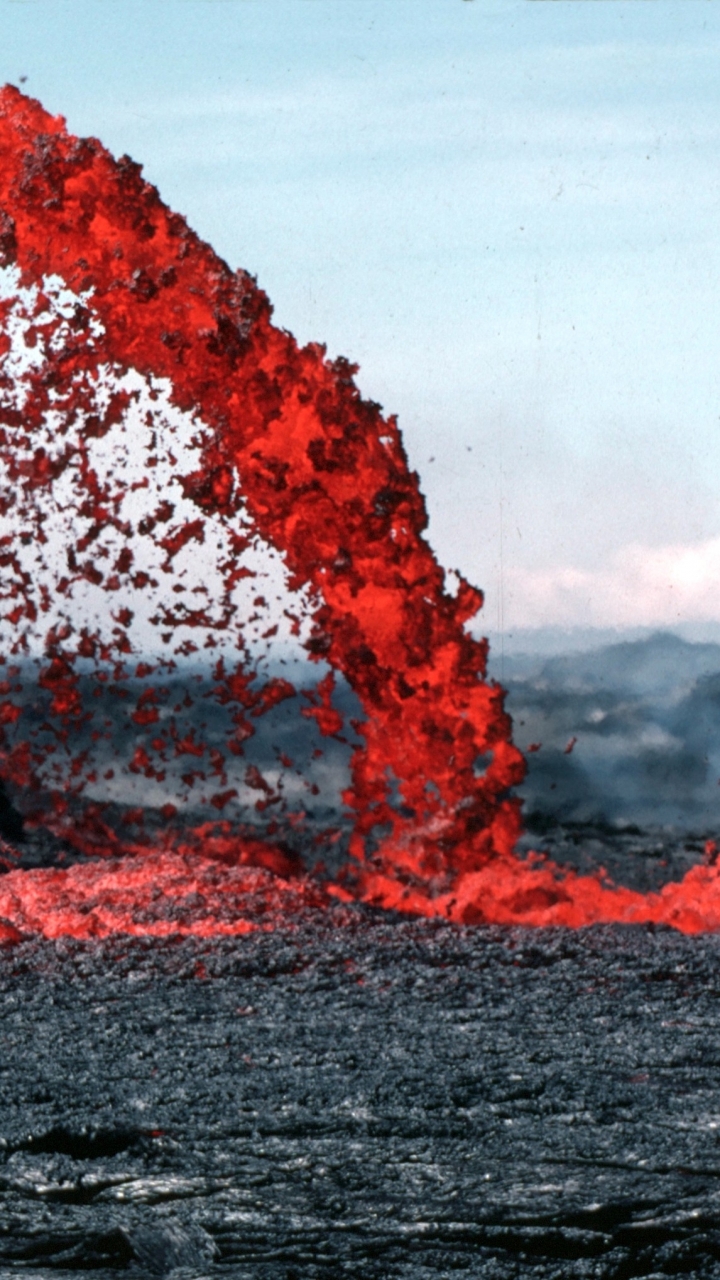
{"type": "Point", "coordinates": [192, 508]}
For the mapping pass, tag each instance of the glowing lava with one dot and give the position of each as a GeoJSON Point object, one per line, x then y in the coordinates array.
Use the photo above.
{"type": "Point", "coordinates": [179, 480]}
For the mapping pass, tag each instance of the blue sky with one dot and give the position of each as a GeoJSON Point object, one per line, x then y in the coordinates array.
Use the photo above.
{"type": "Point", "coordinates": [506, 211]}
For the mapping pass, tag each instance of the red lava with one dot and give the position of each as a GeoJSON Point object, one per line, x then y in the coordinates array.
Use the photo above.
{"type": "Point", "coordinates": [160, 894]}
{"type": "Point", "coordinates": [159, 436]}
{"type": "Point", "coordinates": [538, 893]}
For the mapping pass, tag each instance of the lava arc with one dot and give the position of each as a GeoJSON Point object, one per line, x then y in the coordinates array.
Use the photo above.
{"type": "Point", "coordinates": [186, 497]}
{"type": "Point", "coordinates": [154, 419]}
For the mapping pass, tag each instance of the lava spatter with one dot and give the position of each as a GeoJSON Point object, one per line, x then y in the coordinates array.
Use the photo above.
{"type": "Point", "coordinates": [192, 509]}
{"type": "Point", "coordinates": [168, 455]}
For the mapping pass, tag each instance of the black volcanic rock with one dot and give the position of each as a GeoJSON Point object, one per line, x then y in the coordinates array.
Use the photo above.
{"type": "Point", "coordinates": [11, 822]}
{"type": "Point", "coordinates": [389, 1098]}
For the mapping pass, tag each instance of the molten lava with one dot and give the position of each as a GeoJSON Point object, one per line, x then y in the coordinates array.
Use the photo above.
{"type": "Point", "coordinates": [182, 484]}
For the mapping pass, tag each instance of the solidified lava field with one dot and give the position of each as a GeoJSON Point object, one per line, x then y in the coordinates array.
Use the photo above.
{"type": "Point", "coordinates": [363, 1096]}
{"type": "Point", "coordinates": [284, 992]}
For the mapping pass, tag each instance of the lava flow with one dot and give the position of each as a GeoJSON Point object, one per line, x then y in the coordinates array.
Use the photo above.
{"type": "Point", "coordinates": [191, 507]}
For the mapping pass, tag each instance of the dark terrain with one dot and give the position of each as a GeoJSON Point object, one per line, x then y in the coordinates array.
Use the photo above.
{"type": "Point", "coordinates": [364, 1095]}
{"type": "Point", "coordinates": [622, 735]}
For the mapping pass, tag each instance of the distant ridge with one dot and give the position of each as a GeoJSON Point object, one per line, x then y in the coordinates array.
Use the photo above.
{"type": "Point", "coordinates": [557, 640]}
{"type": "Point", "coordinates": [645, 716]}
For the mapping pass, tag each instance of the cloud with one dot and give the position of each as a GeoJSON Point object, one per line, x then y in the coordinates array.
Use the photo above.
{"type": "Point", "coordinates": [639, 586]}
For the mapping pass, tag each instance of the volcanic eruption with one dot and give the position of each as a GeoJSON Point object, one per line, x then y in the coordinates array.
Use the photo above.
{"type": "Point", "coordinates": [191, 507]}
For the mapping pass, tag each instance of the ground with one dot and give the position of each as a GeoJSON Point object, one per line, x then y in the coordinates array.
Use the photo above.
{"type": "Point", "coordinates": [363, 1096]}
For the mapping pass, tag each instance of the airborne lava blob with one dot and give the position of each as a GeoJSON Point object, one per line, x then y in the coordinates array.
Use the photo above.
{"type": "Point", "coordinates": [182, 484]}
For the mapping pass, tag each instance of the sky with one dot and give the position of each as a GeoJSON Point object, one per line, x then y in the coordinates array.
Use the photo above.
{"type": "Point", "coordinates": [505, 211]}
